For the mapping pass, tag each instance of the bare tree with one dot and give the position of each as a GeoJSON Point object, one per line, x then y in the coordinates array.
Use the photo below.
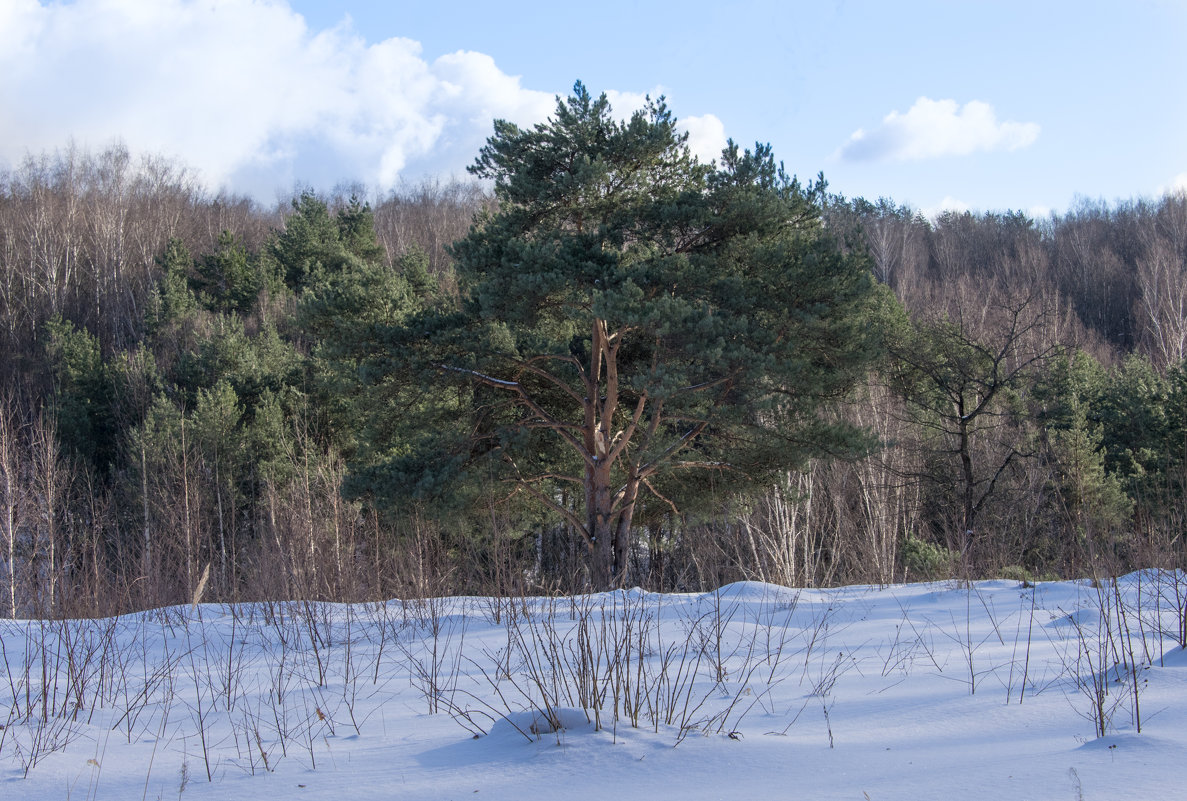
{"type": "Point", "coordinates": [1090, 270]}
{"type": "Point", "coordinates": [778, 533]}
{"type": "Point", "coordinates": [886, 496]}
{"type": "Point", "coordinates": [1162, 305]}
{"type": "Point", "coordinates": [897, 240]}
{"type": "Point", "coordinates": [956, 371]}
{"type": "Point", "coordinates": [11, 494]}
{"type": "Point", "coordinates": [430, 215]}
{"type": "Point", "coordinates": [49, 483]}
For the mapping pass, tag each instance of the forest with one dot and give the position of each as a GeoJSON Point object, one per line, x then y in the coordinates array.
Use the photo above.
{"type": "Point", "coordinates": [204, 396]}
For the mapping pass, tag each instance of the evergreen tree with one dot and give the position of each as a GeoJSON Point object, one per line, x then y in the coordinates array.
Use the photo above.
{"type": "Point", "coordinates": [356, 231]}
{"type": "Point", "coordinates": [175, 297]}
{"type": "Point", "coordinates": [84, 395]}
{"type": "Point", "coordinates": [414, 267]}
{"type": "Point", "coordinates": [228, 280]}
{"type": "Point", "coordinates": [311, 242]}
{"type": "Point", "coordinates": [628, 315]}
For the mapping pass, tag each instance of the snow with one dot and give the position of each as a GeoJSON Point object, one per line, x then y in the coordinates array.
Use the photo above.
{"type": "Point", "coordinates": [924, 691]}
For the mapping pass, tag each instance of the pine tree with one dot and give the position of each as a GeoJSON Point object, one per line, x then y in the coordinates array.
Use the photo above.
{"type": "Point", "coordinates": [629, 318]}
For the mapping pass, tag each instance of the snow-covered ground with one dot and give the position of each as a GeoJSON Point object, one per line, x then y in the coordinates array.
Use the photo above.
{"type": "Point", "coordinates": [923, 691]}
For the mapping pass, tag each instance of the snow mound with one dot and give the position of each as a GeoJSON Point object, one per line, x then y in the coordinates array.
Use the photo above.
{"type": "Point", "coordinates": [534, 723]}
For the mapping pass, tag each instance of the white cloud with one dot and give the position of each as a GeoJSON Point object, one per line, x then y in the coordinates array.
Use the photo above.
{"type": "Point", "coordinates": [624, 104]}
{"type": "Point", "coordinates": [706, 133]}
{"type": "Point", "coordinates": [1178, 186]}
{"type": "Point", "coordinates": [936, 128]}
{"type": "Point", "coordinates": [706, 136]}
{"type": "Point", "coordinates": [245, 92]}
{"type": "Point", "coordinates": [956, 206]}
{"type": "Point", "coordinates": [948, 204]}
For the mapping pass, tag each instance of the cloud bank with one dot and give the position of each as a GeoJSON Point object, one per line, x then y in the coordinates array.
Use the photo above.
{"type": "Point", "coordinates": [937, 128]}
{"type": "Point", "coordinates": [247, 94]}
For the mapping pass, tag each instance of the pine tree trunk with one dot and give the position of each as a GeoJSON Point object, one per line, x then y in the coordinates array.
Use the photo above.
{"type": "Point", "coordinates": [599, 501]}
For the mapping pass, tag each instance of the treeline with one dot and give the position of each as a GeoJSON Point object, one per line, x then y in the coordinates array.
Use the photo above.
{"type": "Point", "coordinates": [180, 404]}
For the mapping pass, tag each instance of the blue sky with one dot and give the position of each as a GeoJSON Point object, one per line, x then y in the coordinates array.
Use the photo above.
{"type": "Point", "coordinates": [988, 106]}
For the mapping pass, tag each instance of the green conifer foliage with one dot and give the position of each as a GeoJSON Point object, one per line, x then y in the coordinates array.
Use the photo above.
{"type": "Point", "coordinates": [228, 280]}
{"type": "Point", "coordinates": [629, 318]}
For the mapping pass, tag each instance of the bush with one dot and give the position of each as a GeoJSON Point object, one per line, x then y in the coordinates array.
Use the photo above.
{"type": "Point", "coordinates": [923, 560]}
